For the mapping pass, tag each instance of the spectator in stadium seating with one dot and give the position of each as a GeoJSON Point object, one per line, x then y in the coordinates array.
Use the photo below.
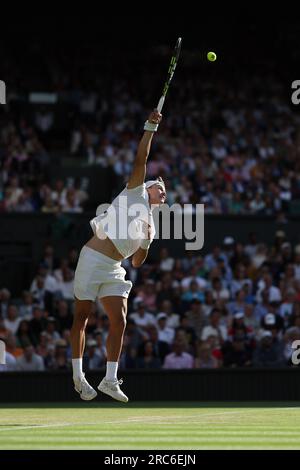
{"type": "Point", "coordinates": [148, 358]}
{"type": "Point", "coordinates": [100, 344]}
{"type": "Point", "coordinates": [208, 304]}
{"type": "Point", "coordinates": [287, 280]}
{"type": "Point", "coordinates": [63, 316]}
{"type": "Point", "coordinates": [49, 259]}
{"type": "Point", "coordinates": [23, 334]}
{"type": "Point", "coordinates": [172, 317]}
{"type": "Point", "coordinates": [49, 359]}
{"type": "Point", "coordinates": [59, 192]}
{"type": "Point", "coordinates": [204, 357]}
{"type": "Point", "coordinates": [238, 351]}
{"type": "Point", "coordinates": [193, 292]}
{"type": "Point", "coordinates": [71, 204]}
{"type": "Point", "coordinates": [188, 333]}
{"type": "Point", "coordinates": [238, 325]}
{"type": "Point", "coordinates": [142, 318]}
{"type": "Point", "coordinates": [30, 361]}
{"type": "Point", "coordinates": [161, 348]}
{"type": "Point", "coordinates": [196, 318]}
{"type": "Point", "coordinates": [272, 320]}
{"type": "Point", "coordinates": [287, 306]}
{"type": "Point", "coordinates": [262, 308]}
{"type": "Point", "coordinates": [228, 249]}
{"type": "Point", "coordinates": [12, 194]}
{"type": "Point", "coordinates": [134, 334]}
{"type": "Point", "coordinates": [26, 306]}
{"type": "Point", "coordinates": [251, 246]}
{"type": "Point", "coordinates": [66, 335]}
{"type": "Point", "coordinates": [239, 280]}
{"type": "Point", "coordinates": [66, 285]}
{"type": "Point", "coordinates": [12, 346]}
{"type": "Point", "coordinates": [148, 294]}
{"type": "Point", "coordinates": [58, 272]}
{"type": "Point", "coordinates": [239, 304]}
{"type": "Point", "coordinates": [51, 329]}
{"type": "Point", "coordinates": [128, 357]}
{"type": "Point", "coordinates": [178, 359]}
{"type": "Point", "coordinates": [193, 276]}
{"type": "Point", "coordinates": [93, 359]}
{"type": "Point", "coordinates": [50, 281]}
{"type": "Point", "coordinates": [250, 320]}
{"type": "Point", "coordinates": [165, 333]}
{"type": "Point", "coordinates": [43, 347]}
{"type": "Point", "coordinates": [268, 352]}
{"type": "Point", "coordinates": [166, 262]}
{"type": "Point", "coordinates": [266, 282]}
{"type": "Point", "coordinates": [60, 358]}
{"type": "Point", "coordinates": [38, 291]}
{"type": "Point", "coordinates": [214, 328]}
{"type": "Point", "coordinates": [12, 320]}
{"type": "Point", "coordinates": [37, 324]}
{"type": "Point", "coordinates": [211, 260]}
{"type": "Point", "coordinates": [218, 291]}
{"type": "Point", "coordinates": [165, 288]}
{"type": "Point", "coordinates": [49, 206]}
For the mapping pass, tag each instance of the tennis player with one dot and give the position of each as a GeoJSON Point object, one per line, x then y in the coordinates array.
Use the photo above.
{"type": "Point", "coordinates": [99, 272]}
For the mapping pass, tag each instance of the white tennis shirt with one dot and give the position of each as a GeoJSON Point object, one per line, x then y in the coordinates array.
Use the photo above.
{"type": "Point", "coordinates": [125, 220]}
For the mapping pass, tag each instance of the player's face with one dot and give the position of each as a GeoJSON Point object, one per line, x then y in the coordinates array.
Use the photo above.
{"type": "Point", "coordinates": [157, 194]}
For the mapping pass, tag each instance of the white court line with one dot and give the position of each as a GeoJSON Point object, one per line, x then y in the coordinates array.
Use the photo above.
{"type": "Point", "coordinates": [143, 419]}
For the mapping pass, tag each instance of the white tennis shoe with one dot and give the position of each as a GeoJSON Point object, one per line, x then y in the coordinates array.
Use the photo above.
{"type": "Point", "coordinates": [112, 388]}
{"type": "Point", "coordinates": [84, 389]}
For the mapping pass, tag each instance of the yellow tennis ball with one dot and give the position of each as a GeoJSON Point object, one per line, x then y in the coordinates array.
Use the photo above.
{"type": "Point", "coordinates": [212, 56]}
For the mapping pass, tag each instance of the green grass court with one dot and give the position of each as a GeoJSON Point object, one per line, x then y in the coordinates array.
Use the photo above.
{"type": "Point", "coordinates": [157, 425]}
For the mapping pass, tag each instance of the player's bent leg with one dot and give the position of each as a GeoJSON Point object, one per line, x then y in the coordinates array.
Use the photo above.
{"type": "Point", "coordinates": [80, 320]}
{"type": "Point", "coordinates": [116, 310]}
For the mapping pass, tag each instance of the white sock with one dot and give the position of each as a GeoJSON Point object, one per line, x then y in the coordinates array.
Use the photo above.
{"type": "Point", "coordinates": [111, 370]}
{"type": "Point", "coordinates": [77, 368]}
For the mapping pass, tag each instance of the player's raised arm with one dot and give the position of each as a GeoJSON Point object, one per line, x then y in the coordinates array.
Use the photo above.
{"type": "Point", "coordinates": [139, 167]}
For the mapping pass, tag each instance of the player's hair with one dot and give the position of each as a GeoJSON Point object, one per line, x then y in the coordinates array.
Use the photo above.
{"type": "Point", "coordinates": [160, 180]}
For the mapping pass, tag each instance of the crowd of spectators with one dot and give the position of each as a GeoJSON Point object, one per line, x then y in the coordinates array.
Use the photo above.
{"type": "Point", "coordinates": [24, 186]}
{"type": "Point", "coordinates": [230, 144]}
{"type": "Point", "coordinates": [238, 306]}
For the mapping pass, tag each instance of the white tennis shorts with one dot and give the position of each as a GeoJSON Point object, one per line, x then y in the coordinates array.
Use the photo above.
{"type": "Point", "coordinates": [98, 275]}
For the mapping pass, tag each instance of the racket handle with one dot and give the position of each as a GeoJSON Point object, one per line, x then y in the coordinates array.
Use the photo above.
{"type": "Point", "coordinates": [160, 104]}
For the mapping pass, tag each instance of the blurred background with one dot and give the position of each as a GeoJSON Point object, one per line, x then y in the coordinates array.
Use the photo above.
{"type": "Point", "coordinates": [78, 93]}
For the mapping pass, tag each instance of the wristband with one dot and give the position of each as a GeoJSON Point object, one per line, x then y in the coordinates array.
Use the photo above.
{"type": "Point", "coordinates": [150, 126]}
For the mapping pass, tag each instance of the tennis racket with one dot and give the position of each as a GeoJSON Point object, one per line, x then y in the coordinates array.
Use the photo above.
{"type": "Point", "coordinates": [171, 71]}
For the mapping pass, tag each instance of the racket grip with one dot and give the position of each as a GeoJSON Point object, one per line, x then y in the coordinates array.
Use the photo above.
{"type": "Point", "coordinates": [160, 104]}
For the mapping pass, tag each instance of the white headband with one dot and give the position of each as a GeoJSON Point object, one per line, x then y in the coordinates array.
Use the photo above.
{"type": "Point", "coordinates": [153, 182]}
